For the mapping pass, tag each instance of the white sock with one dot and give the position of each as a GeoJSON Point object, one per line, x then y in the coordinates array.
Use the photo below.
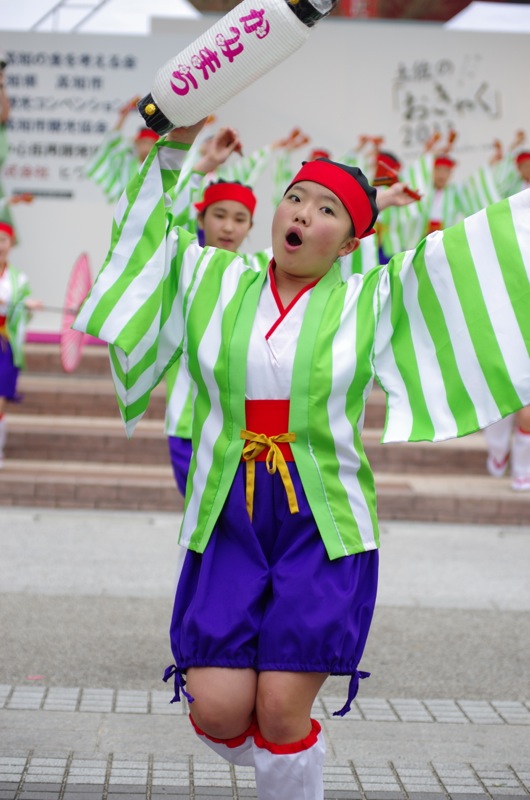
{"type": "Point", "coordinates": [498, 439]}
{"type": "Point", "coordinates": [521, 458]}
{"type": "Point", "coordinates": [291, 771]}
{"type": "Point", "coordinates": [237, 751]}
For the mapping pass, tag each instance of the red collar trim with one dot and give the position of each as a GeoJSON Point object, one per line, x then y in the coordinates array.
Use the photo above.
{"type": "Point", "coordinates": [284, 311]}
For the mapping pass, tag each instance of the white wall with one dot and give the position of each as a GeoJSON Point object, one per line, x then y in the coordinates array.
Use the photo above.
{"type": "Point", "coordinates": [350, 78]}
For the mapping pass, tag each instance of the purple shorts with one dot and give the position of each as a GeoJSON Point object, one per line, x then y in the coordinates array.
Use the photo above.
{"type": "Point", "coordinates": [265, 594]}
{"type": "Point", "coordinates": [8, 372]}
{"type": "Point", "coordinates": [180, 454]}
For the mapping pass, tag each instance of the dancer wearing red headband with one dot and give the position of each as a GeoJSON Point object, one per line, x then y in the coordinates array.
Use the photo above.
{"type": "Point", "coordinates": [117, 158]}
{"type": "Point", "coordinates": [512, 172]}
{"type": "Point", "coordinates": [278, 585]}
{"type": "Point", "coordinates": [225, 217]}
{"type": "Point", "coordinates": [15, 308]}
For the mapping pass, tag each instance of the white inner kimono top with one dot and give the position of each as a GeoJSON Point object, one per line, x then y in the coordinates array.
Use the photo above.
{"type": "Point", "coordinates": [272, 344]}
{"type": "Point", "coordinates": [445, 330]}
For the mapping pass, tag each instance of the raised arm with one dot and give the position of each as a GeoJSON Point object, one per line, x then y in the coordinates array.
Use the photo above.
{"type": "Point", "coordinates": [453, 338]}
{"type": "Point", "coordinates": [137, 301]}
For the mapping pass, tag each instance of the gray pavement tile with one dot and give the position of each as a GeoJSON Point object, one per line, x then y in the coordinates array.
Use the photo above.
{"type": "Point", "coordinates": [508, 795]}
{"type": "Point", "coordinates": [455, 794]}
{"type": "Point", "coordinates": [43, 787]}
{"type": "Point", "coordinates": [8, 794]}
{"type": "Point", "coordinates": [383, 795]}
{"type": "Point", "coordinates": [426, 795]}
{"type": "Point", "coordinates": [337, 794]}
{"type": "Point", "coordinates": [83, 795]}
{"type": "Point", "coordinates": [130, 795]}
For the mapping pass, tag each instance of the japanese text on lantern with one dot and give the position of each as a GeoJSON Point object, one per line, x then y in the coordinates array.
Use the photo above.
{"type": "Point", "coordinates": [208, 61]}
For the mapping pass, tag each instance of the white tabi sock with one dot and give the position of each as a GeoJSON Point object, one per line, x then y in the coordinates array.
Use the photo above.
{"type": "Point", "coordinates": [521, 460]}
{"type": "Point", "coordinates": [498, 439]}
{"type": "Point", "coordinates": [237, 751]}
{"type": "Point", "coordinates": [290, 771]}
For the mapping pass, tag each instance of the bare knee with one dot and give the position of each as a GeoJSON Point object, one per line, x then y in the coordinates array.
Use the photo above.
{"type": "Point", "coordinates": [278, 721]}
{"type": "Point", "coordinates": [283, 705]}
{"type": "Point", "coordinates": [224, 700]}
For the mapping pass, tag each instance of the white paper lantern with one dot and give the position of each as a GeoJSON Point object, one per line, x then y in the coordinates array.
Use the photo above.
{"type": "Point", "coordinates": [245, 44]}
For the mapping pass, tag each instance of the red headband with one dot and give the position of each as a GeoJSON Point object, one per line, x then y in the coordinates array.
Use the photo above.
{"type": "Point", "coordinates": [386, 160]}
{"type": "Point", "coordinates": [7, 228]}
{"type": "Point", "coordinates": [444, 161]}
{"type": "Point", "coordinates": [524, 156]}
{"type": "Point", "coordinates": [318, 154]}
{"type": "Point", "coordinates": [146, 133]}
{"type": "Point", "coordinates": [217, 192]}
{"type": "Point", "coordinates": [348, 190]}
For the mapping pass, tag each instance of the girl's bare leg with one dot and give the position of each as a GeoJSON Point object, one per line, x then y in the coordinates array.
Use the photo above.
{"type": "Point", "coordinates": [284, 702]}
{"type": "Point", "coordinates": [224, 699]}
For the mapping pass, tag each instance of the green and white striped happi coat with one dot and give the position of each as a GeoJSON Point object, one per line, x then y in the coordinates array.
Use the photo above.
{"type": "Point", "coordinates": [113, 165]}
{"type": "Point", "coordinates": [18, 315]}
{"type": "Point", "coordinates": [444, 329]}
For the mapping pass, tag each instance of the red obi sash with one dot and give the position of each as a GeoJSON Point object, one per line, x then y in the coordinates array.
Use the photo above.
{"type": "Point", "coordinates": [270, 417]}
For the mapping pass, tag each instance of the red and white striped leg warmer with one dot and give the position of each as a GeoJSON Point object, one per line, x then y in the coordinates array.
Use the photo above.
{"type": "Point", "coordinates": [238, 750]}
{"type": "Point", "coordinates": [290, 771]}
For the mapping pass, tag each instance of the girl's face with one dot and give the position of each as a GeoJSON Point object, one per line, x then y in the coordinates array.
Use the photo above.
{"type": "Point", "coordinates": [441, 176]}
{"type": "Point", "coordinates": [143, 147]}
{"type": "Point", "coordinates": [5, 246]}
{"type": "Point", "coordinates": [524, 169]}
{"type": "Point", "coordinates": [225, 224]}
{"type": "Point", "coordinates": [310, 229]}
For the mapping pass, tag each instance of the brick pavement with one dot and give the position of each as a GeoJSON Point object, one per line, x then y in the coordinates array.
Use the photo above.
{"type": "Point", "coordinates": [39, 774]}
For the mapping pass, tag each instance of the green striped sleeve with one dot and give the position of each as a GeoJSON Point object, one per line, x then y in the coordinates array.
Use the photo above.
{"type": "Point", "coordinates": [453, 339]}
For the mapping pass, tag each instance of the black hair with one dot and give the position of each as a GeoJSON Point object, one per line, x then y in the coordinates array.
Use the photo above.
{"type": "Point", "coordinates": [221, 181]}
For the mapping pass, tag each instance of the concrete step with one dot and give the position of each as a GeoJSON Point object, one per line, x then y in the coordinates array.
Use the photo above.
{"type": "Point", "coordinates": [93, 395]}
{"type": "Point", "coordinates": [46, 359]}
{"type": "Point", "coordinates": [416, 496]}
{"type": "Point", "coordinates": [83, 438]}
{"type": "Point", "coordinates": [82, 484]}
{"type": "Point", "coordinates": [76, 395]}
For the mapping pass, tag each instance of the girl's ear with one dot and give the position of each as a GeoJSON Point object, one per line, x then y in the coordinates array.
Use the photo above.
{"type": "Point", "coordinates": [351, 244]}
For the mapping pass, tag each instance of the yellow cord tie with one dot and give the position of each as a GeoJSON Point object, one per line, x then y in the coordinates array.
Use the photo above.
{"type": "Point", "coordinates": [257, 442]}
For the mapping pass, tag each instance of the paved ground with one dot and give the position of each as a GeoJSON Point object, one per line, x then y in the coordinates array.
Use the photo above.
{"type": "Point", "coordinates": [85, 599]}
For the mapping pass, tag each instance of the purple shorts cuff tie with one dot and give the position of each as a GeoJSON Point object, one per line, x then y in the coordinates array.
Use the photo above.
{"type": "Point", "coordinates": [180, 683]}
{"type": "Point", "coordinates": [353, 688]}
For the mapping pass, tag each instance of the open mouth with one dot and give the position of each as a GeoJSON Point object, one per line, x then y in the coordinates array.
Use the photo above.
{"type": "Point", "coordinates": [293, 238]}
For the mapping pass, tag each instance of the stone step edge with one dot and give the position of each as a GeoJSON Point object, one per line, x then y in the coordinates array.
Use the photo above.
{"type": "Point", "coordinates": [47, 423]}
{"type": "Point", "coordinates": [407, 484]}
